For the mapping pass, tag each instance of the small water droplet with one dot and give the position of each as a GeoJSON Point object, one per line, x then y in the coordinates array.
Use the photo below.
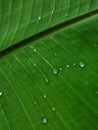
{"type": "Point", "coordinates": [34, 50]}
{"type": "Point", "coordinates": [55, 54]}
{"type": "Point", "coordinates": [74, 64]}
{"type": "Point", "coordinates": [35, 102]}
{"type": "Point", "coordinates": [60, 68]}
{"type": "Point", "coordinates": [1, 93]}
{"type": "Point", "coordinates": [53, 109]}
{"type": "Point", "coordinates": [39, 18]}
{"type": "Point", "coordinates": [67, 66]}
{"type": "Point", "coordinates": [46, 80]}
{"type": "Point", "coordinates": [55, 71]}
{"type": "Point", "coordinates": [44, 96]}
{"type": "Point", "coordinates": [34, 64]}
{"type": "Point", "coordinates": [44, 120]}
{"type": "Point", "coordinates": [52, 12]}
{"type": "Point", "coordinates": [81, 64]}
{"type": "Point", "coordinates": [66, 14]}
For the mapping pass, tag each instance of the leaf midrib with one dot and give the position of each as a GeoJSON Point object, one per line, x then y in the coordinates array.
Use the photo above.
{"type": "Point", "coordinates": [46, 32]}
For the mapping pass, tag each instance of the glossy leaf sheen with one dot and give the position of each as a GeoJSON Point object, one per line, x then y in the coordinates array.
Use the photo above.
{"type": "Point", "coordinates": [52, 83]}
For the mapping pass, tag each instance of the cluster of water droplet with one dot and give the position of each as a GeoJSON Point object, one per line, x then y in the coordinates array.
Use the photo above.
{"type": "Point", "coordinates": [55, 72]}
{"type": "Point", "coordinates": [81, 64]}
{"type": "Point", "coordinates": [46, 80]}
{"type": "Point", "coordinates": [44, 119]}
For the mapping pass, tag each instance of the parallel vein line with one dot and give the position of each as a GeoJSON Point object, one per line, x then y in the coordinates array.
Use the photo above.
{"type": "Point", "coordinates": [25, 111]}
{"type": "Point", "coordinates": [46, 32]}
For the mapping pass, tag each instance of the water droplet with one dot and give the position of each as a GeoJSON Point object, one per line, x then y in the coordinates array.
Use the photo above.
{"type": "Point", "coordinates": [34, 50]}
{"type": "Point", "coordinates": [55, 71]}
{"type": "Point", "coordinates": [46, 80]}
{"type": "Point", "coordinates": [34, 64]}
{"type": "Point", "coordinates": [55, 54]}
{"type": "Point", "coordinates": [66, 14]}
{"type": "Point", "coordinates": [35, 102]}
{"type": "Point", "coordinates": [44, 96]}
{"type": "Point", "coordinates": [60, 68]}
{"type": "Point", "coordinates": [1, 93]}
{"type": "Point", "coordinates": [67, 66]}
{"type": "Point", "coordinates": [44, 120]}
{"type": "Point", "coordinates": [39, 18]}
{"type": "Point", "coordinates": [74, 64]}
{"type": "Point", "coordinates": [52, 12]}
{"type": "Point", "coordinates": [81, 64]}
{"type": "Point", "coordinates": [53, 109]}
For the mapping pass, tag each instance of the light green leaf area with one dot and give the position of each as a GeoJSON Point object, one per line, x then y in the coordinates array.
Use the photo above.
{"type": "Point", "coordinates": [51, 83]}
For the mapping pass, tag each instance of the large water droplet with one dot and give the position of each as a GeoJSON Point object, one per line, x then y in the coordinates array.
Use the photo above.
{"type": "Point", "coordinates": [55, 71]}
{"type": "Point", "coordinates": [1, 93]}
{"type": "Point", "coordinates": [81, 64]}
{"type": "Point", "coordinates": [34, 50]}
{"type": "Point", "coordinates": [44, 120]}
{"type": "Point", "coordinates": [53, 109]}
{"type": "Point", "coordinates": [44, 96]}
{"type": "Point", "coordinates": [39, 18]}
{"type": "Point", "coordinates": [67, 66]}
{"type": "Point", "coordinates": [46, 80]}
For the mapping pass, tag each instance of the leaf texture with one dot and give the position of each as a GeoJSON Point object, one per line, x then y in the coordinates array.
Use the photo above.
{"type": "Point", "coordinates": [50, 84]}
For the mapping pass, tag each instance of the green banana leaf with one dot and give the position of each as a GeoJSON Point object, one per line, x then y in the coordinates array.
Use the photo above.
{"type": "Point", "coordinates": [48, 64]}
